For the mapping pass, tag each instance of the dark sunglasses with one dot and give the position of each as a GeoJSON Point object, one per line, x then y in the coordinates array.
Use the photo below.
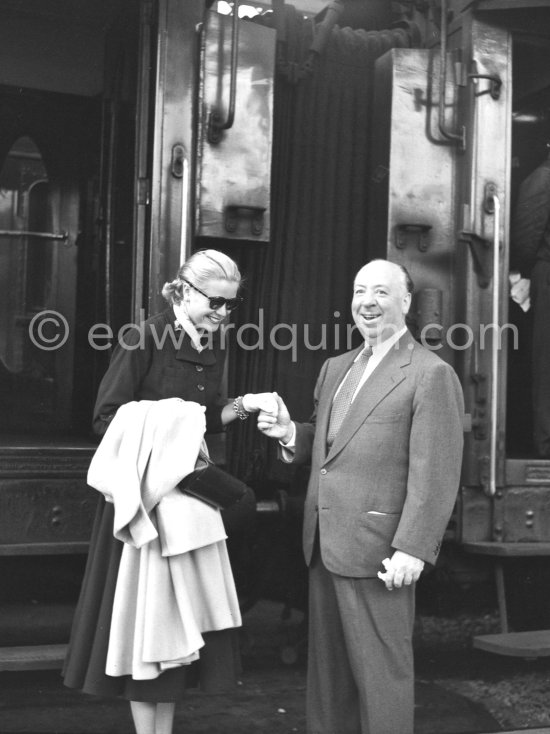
{"type": "Point", "coordinates": [216, 302]}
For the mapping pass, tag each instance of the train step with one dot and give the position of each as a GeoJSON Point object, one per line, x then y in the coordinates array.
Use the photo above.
{"type": "Point", "coordinates": [531, 644]}
{"type": "Point", "coordinates": [508, 550]}
{"type": "Point", "coordinates": [32, 657]}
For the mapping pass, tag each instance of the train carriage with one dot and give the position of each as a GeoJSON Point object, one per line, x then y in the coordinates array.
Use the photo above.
{"type": "Point", "coordinates": [303, 139]}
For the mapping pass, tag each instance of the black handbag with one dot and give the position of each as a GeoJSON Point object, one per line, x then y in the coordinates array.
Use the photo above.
{"type": "Point", "coordinates": [214, 486]}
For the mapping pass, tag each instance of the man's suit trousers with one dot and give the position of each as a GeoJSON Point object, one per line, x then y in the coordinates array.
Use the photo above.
{"type": "Point", "coordinates": [360, 660]}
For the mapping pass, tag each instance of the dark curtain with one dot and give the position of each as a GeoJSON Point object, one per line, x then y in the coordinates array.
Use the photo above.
{"type": "Point", "coordinates": [302, 279]}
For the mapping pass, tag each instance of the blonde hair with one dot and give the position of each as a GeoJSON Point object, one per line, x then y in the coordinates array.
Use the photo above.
{"type": "Point", "coordinates": [201, 267]}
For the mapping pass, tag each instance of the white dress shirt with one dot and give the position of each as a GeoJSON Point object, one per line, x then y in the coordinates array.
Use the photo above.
{"type": "Point", "coordinates": [183, 320]}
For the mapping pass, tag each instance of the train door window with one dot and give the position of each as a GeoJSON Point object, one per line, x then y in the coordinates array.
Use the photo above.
{"type": "Point", "coordinates": [36, 271]}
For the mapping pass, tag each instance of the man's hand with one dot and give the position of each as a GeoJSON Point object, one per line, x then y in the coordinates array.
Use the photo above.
{"type": "Point", "coordinates": [401, 570]}
{"type": "Point", "coordinates": [276, 425]}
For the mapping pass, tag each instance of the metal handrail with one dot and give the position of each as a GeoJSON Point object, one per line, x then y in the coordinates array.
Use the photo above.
{"type": "Point", "coordinates": [449, 136]}
{"type": "Point", "coordinates": [215, 123]}
{"type": "Point", "coordinates": [40, 235]}
{"type": "Point", "coordinates": [494, 352]}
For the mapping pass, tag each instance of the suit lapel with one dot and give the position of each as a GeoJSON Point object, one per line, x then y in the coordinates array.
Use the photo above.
{"type": "Point", "coordinates": [386, 376]}
{"type": "Point", "coordinates": [329, 390]}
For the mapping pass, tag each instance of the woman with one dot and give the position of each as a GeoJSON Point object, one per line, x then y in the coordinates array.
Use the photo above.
{"type": "Point", "coordinates": [177, 354]}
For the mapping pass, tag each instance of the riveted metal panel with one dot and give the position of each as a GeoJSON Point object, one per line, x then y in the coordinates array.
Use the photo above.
{"type": "Point", "coordinates": [233, 186]}
{"type": "Point", "coordinates": [413, 184]}
{"type": "Point", "coordinates": [45, 504]}
{"type": "Point", "coordinates": [526, 514]}
{"type": "Point", "coordinates": [45, 511]}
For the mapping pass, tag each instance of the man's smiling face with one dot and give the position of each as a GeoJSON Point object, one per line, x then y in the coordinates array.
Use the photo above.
{"type": "Point", "coordinates": [380, 301]}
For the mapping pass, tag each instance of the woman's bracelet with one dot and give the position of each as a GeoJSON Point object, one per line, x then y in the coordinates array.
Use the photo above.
{"type": "Point", "coordinates": [239, 408]}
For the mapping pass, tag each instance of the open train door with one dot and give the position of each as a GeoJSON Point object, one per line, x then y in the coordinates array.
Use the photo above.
{"type": "Point", "coordinates": [441, 198]}
{"type": "Point", "coordinates": [212, 135]}
{"type": "Point", "coordinates": [211, 144]}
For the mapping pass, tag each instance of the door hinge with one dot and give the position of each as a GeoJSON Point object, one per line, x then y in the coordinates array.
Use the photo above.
{"type": "Point", "coordinates": [143, 191]}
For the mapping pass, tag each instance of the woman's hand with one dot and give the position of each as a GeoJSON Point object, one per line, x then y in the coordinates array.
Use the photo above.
{"type": "Point", "coordinates": [266, 402]}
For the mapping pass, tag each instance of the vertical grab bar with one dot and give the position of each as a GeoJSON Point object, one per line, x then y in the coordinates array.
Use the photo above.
{"type": "Point", "coordinates": [450, 138]}
{"type": "Point", "coordinates": [494, 351]}
{"type": "Point", "coordinates": [216, 124]}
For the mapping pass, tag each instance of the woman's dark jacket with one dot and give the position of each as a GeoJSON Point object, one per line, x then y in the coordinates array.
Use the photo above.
{"type": "Point", "coordinates": [156, 360]}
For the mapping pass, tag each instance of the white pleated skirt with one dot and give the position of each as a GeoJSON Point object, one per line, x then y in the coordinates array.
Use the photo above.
{"type": "Point", "coordinates": [163, 605]}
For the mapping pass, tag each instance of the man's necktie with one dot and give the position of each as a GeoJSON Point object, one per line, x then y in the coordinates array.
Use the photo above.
{"type": "Point", "coordinates": [342, 401]}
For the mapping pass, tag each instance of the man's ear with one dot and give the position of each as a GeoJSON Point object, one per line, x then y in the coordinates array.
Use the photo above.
{"type": "Point", "coordinates": [407, 303]}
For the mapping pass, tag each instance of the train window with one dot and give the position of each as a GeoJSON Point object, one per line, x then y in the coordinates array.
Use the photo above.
{"type": "Point", "coordinates": [29, 275]}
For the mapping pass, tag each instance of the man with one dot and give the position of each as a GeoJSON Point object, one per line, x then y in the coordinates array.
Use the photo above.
{"type": "Point", "coordinates": [382, 486]}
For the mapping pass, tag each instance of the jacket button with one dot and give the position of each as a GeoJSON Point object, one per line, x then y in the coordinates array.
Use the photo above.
{"type": "Point", "coordinates": [323, 471]}
{"type": "Point", "coordinates": [200, 387]}
{"type": "Point", "coordinates": [199, 367]}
